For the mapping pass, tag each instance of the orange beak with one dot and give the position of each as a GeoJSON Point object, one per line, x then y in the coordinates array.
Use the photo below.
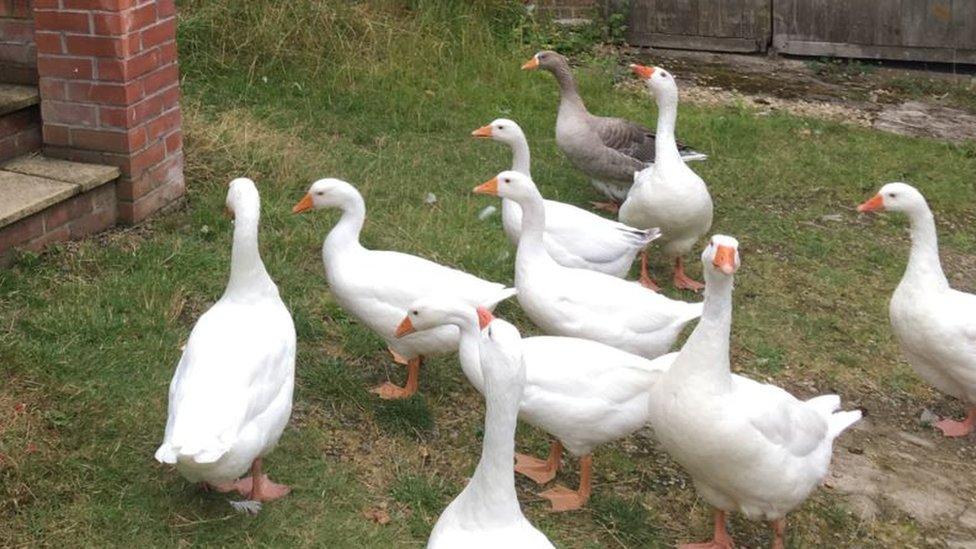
{"type": "Point", "coordinates": [531, 64]}
{"type": "Point", "coordinates": [875, 204]}
{"type": "Point", "coordinates": [488, 187]}
{"type": "Point", "coordinates": [405, 327]}
{"type": "Point", "coordinates": [725, 259]}
{"type": "Point", "coordinates": [304, 205]}
{"type": "Point", "coordinates": [641, 71]}
{"type": "Point", "coordinates": [484, 317]}
{"type": "Point", "coordinates": [483, 131]}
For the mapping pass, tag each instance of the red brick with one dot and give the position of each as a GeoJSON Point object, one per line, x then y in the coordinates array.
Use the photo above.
{"type": "Point", "coordinates": [108, 140]}
{"type": "Point", "coordinates": [134, 212]}
{"type": "Point", "coordinates": [17, 121]}
{"type": "Point", "coordinates": [163, 31]}
{"type": "Point", "coordinates": [94, 222]}
{"type": "Point", "coordinates": [174, 142]}
{"type": "Point", "coordinates": [57, 135]}
{"type": "Point", "coordinates": [115, 117]}
{"type": "Point", "coordinates": [103, 197]}
{"type": "Point", "coordinates": [48, 42]}
{"type": "Point", "coordinates": [107, 5]}
{"type": "Point", "coordinates": [167, 53]}
{"type": "Point", "coordinates": [145, 159]}
{"type": "Point", "coordinates": [121, 70]}
{"type": "Point", "coordinates": [52, 88]}
{"type": "Point", "coordinates": [20, 232]}
{"type": "Point", "coordinates": [163, 125]}
{"type": "Point", "coordinates": [17, 30]}
{"type": "Point", "coordinates": [47, 4]}
{"type": "Point", "coordinates": [71, 114]}
{"type": "Point", "coordinates": [160, 79]}
{"type": "Point", "coordinates": [62, 21]}
{"type": "Point", "coordinates": [22, 54]}
{"type": "Point", "coordinates": [59, 234]}
{"type": "Point", "coordinates": [15, 8]}
{"type": "Point", "coordinates": [105, 93]}
{"type": "Point", "coordinates": [63, 212]}
{"type": "Point", "coordinates": [83, 155]}
{"type": "Point", "coordinates": [165, 7]}
{"type": "Point", "coordinates": [101, 46]}
{"type": "Point", "coordinates": [142, 17]}
{"type": "Point", "coordinates": [65, 67]}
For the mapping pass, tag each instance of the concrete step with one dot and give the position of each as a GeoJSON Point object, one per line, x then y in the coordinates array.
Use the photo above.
{"type": "Point", "coordinates": [14, 97]}
{"type": "Point", "coordinates": [44, 200]}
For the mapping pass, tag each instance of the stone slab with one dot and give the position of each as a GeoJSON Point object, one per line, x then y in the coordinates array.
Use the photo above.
{"type": "Point", "coordinates": [14, 97]}
{"type": "Point", "coordinates": [23, 195]}
{"type": "Point", "coordinates": [86, 176]}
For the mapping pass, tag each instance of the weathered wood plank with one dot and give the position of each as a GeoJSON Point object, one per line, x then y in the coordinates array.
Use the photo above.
{"type": "Point", "coordinates": [899, 53]}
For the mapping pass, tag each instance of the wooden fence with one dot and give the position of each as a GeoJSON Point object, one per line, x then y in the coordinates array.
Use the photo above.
{"type": "Point", "coordinates": [916, 30]}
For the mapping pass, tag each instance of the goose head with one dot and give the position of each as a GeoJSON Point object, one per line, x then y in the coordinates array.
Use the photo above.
{"type": "Point", "coordinates": [546, 60]}
{"type": "Point", "coordinates": [659, 81]}
{"type": "Point", "coordinates": [242, 198]}
{"type": "Point", "coordinates": [430, 312]}
{"type": "Point", "coordinates": [721, 257]}
{"type": "Point", "coordinates": [896, 197]}
{"type": "Point", "coordinates": [326, 193]}
{"type": "Point", "coordinates": [501, 129]}
{"type": "Point", "coordinates": [501, 352]}
{"type": "Point", "coordinates": [512, 185]}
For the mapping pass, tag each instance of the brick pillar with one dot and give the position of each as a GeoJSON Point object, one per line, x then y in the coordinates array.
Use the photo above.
{"type": "Point", "coordinates": [109, 86]}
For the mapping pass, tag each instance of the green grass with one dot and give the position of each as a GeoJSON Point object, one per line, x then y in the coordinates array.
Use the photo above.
{"type": "Point", "coordinates": [384, 94]}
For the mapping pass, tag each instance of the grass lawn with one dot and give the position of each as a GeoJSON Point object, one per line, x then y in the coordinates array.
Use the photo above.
{"type": "Point", "coordinates": [384, 95]}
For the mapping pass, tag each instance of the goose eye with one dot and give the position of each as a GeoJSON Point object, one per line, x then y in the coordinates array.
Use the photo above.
{"type": "Point", "coordinates": [320, 193]}
{"type": "Point", "coordinates": [499, 127]}
{"type": "Point", "coordinates": [891, 195]}
{"type": "Point", "coordinates": [489, 332]}
{"type": "Point", "coordinates": [414, 313]}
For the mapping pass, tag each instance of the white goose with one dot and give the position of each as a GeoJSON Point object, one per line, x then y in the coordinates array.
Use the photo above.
{"type": "Point", "coordinates": [582, 303]}
{"type": "Point", "coordinates": [581, 392]}
{"type": "Point", "coordinates": [749, 447]}
{"type": "Point", "coordinates": [486, 513]}
{"type": "Point", "coordinates": [935, 325]}
{"type": "Point", "coordinates": [231, 395]}
{"type": "Point", "coordinates": [574, 237]}
{"type": "Point", "coordinates": [668, 194]}
{"type": "Point", "coordinates": [376, 286]}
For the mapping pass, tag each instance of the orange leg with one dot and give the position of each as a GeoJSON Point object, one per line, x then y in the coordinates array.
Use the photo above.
{"type": "Point", "coordinates": [258, 487]}
{"type": "Point", "coordinates": [720, 538]}
{"type": "Point", "coordinates": [683, 281]}
{"type": "Point", "coordinates": [564, 499]}
{"type": "Point", "coordinates": [397, 357]}
{"type": "Point", "coordinates": [951, 428]}
{"type": "Point", "coordinates": [541, 471]}
{"type": "Point", "coordinates": [611, 207]}
{"type": "Point", "coordinates": [779, 533]}
{"type": "Point", "coordinates": [390, 391]}
{"type": "Point", "coordinates": [645, 277]}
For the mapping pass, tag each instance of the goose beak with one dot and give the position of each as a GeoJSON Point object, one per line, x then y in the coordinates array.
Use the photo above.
{"type": "Point", "coordinates": [483, 131]}
{"type": "Point", "coordinates": [304, 205]}
{"type": "Point", "coordinates": [484, 317]}
{"type": "Point", "coordinates": [875, 204]}
{"type": "Point", "coordinates": [405, 327]}
{"type": "Point", "coordinates": [645, 73]}
{"type": "Point", "coordinates": [724, 259]}
{"type": "Point", "coordinates": [488, 187]}
{"type": "Point", "coordinates": [531, 64]}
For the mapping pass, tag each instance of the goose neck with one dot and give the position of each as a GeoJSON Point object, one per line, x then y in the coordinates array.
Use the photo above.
{"type": "Point", "coordinates": [345, 234]}
{"type": "Point", "coordinates": [247, 272]}
{"type": "Point", "coordinates": [490, 494]}
{"type": "Point", "coordinates": [665, 145]}
{"type": "Point", "coordinates": [705, 356]}
{"type": "Point", "coordinates": [924, 267]}
{"type": "Point", "coordinates": [520, 156]}
{"type": "Point", "coordinates": [531, 248]}
{"type": "Point", "coordinates": [469, 355]}
{"type": "Point", "coordinates": [568, 94]}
